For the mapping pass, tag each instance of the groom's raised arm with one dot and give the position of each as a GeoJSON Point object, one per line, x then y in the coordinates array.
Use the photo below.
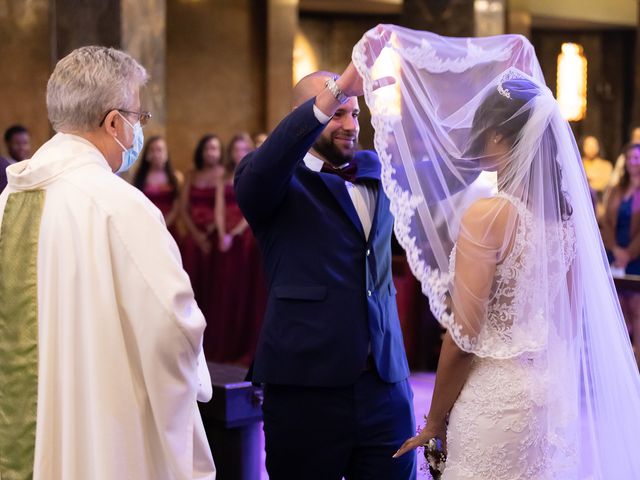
{"type": "Point", "coordinates": [262, 177]}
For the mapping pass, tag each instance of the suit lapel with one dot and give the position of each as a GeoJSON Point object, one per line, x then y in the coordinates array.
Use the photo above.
{"type": "Point", "coordinates": [336, 186]}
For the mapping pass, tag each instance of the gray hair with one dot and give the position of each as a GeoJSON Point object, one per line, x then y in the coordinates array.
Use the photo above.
{"type": "Point", "coordinates": [88, 83]}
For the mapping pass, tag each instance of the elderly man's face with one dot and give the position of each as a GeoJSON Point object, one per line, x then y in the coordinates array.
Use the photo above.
{"type": "Point", "coordinates": [117, 131]}
{"type": "Point", "coordinates": [19, 146]}
{"type": "Point", "coordinates": [124, 129]}
{"type": "Point", "coordinates": [132, 118]}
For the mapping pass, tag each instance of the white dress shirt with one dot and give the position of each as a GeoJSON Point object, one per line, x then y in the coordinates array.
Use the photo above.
{"type": "Point", "coordinates": [362, 195]}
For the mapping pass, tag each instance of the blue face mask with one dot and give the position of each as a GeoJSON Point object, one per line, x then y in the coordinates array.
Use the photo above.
{"type": "Point", "coordinates": [130, 155]}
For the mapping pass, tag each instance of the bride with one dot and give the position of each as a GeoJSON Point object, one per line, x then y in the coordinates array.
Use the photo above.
{"type": "Point", "coordinates": [536, 378]}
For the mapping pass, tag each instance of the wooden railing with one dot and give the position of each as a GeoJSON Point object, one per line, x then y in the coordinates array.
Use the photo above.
{"type": "Point", "coordinates": [628, 283]}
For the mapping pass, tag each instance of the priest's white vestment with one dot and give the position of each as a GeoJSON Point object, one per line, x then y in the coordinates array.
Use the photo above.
{"type": "Point", "coordinates": [119, 335]}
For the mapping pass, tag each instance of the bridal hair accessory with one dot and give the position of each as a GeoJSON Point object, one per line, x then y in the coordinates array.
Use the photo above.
{"type": "Point", "coordinates": [509, 74]}
{"type": "Point", "coordinates": [503, 91]}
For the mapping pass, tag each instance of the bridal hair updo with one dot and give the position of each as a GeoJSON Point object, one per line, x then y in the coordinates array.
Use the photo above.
{"type": "Point", "coordinates": [506, 111]}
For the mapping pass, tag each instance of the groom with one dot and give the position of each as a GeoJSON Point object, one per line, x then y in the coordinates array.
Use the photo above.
{"type": "Point", "coordinates": [337, 401]}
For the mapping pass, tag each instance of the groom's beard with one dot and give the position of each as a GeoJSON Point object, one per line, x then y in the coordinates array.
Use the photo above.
{"type": "Point", "coordinates": [333, 154]}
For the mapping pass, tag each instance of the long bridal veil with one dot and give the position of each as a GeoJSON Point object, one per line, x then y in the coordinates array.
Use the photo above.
{"type": "Point", "coordinates": [494, 212]}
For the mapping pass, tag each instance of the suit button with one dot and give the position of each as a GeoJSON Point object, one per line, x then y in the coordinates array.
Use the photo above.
{"type": "Point", "coordinates": [368, 293]}
{"type": "Point", "coordinates": [368, 252]}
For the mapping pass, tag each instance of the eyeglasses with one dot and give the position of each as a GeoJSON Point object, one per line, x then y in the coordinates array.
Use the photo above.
{"type": "Point", "coordinates": [143, 117]}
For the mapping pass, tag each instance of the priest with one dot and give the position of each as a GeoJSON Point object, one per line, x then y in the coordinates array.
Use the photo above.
{"type": "Point", "coordinates": [100, 338]}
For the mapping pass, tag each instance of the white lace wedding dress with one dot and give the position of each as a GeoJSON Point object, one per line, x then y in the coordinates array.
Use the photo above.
{"type": "Point", "coordinates": [499, 427]}
{"type": "Point", "coordinates": [554, 390]}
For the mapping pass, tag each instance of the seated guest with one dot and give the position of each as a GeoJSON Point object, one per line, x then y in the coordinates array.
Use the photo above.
{"type": "Point", "coordinates": [621, 235]}
{"type": "Point", "coordinates": [18, 143]}
{"type": "Point", "coordinates": [159, 181]}
{"type": "Point", "coordinates": [101, 359]}
{"type": "Point", "coordinates": [197, 208]}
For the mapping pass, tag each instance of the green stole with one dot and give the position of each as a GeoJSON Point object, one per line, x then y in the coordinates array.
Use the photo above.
{"type": "Point", "coordinates": [19, 235]}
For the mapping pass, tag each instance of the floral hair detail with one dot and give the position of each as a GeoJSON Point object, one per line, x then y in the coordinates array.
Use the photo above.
{"type": "Point", "coordinates": [507, 75]}
{"type": "Point", "coordinates": [504, 91]}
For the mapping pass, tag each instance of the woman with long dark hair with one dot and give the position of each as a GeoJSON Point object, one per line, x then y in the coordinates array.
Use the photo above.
{"type": "Point", "coordinates": [621, 234]}
{"type": "Point", "coordinates": [238, 285]}
{"type": "Point", "coordinates": [197, 206]}
{"type": "Point", "coordinates": [159, 181]}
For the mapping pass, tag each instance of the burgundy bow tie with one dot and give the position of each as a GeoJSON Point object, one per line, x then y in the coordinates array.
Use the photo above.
{"type": "Point", "coordinates": [347, 172]}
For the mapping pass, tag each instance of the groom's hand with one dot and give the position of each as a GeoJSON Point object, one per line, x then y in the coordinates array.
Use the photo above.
{"type": "Point", "coordinates": [350, 82]}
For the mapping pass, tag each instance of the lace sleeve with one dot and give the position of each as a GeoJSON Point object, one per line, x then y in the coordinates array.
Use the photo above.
{"type": "Point", "coordinates": [473, 266]}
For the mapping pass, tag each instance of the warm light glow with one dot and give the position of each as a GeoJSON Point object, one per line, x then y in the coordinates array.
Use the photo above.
{"type": "Point", "coordinates": [387, 100]}
{"type": "Point", "coordinates": [572, 82]}
{"type": "Point", "coordinates": [304, 58]}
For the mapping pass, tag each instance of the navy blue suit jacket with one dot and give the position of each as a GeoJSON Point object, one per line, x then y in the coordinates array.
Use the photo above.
{"type": "Point", "coordinates": [331, 293]}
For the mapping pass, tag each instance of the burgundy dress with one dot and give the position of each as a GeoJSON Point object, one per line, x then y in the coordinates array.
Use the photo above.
{"type": "Point", "coordinates": [163, 197]}
{"type": "Point", "coordinates": [239, 294]}
{"type": "Point", "coordinates": [197, 264]}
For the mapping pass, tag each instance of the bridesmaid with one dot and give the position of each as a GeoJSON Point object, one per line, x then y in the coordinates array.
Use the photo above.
{"type": "Point", "coordinates": [158, 180]}
{"type": "Point", "coordinates": [237, 303]}
{"type": "Point", "coordinates": [197, 208]}
{"type": "Point", "coordinates": [229, 220]}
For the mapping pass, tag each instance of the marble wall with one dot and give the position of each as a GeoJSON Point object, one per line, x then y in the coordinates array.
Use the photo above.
{"type": "Point", "coordinates": [215, 71]}
{"type": "Point", "coordinates": [453, 18]}
{"type": "Point", "coordinates": [144, 36]}
{"type": "Point", "coordinates": [25, 60]}
{"type": "Point", "coordinates": [76, 23]}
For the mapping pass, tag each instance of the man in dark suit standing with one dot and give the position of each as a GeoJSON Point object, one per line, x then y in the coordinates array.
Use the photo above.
{"type": "Point", "coordinates": [337, 399]}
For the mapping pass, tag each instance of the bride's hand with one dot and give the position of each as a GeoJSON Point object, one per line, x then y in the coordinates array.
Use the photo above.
{"type": "Point", "coordinates": [431, 430]}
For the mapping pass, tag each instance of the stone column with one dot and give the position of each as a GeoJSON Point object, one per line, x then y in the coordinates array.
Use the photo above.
{"type": "Point", "coordinates": [136, 26]}
{"type": "Point", "coordinates": [519, 21]}
{"type": "Point", "coordinates": [445, 17]}
{"type": "Point", "coordinates": [25, 60]}
{"type": "Point", "coordinates": [143, 25]}
{"type": "Point", "coordinates": [76, 23]}
{"type": "Point", "coordinates": [282, 23]}
{"type": "Point", "coordinates": [490, 17]}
